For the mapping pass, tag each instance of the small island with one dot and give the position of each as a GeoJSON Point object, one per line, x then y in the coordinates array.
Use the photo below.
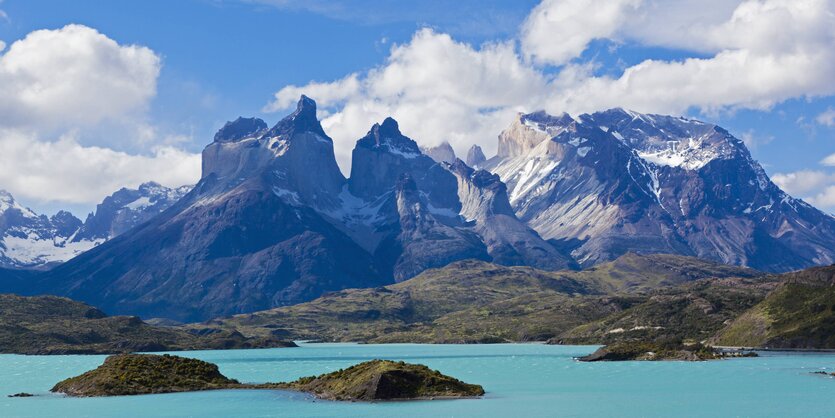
{"type": "Point", "coordinates": [660, 351]}
{"type": "Point", "coordinates": [140, 374]}
{"type": "Point", "coordinates": [377, 380]}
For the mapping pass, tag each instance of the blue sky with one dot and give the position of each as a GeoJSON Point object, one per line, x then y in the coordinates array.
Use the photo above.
{"type": "Point", "coordinates": [218, 59]}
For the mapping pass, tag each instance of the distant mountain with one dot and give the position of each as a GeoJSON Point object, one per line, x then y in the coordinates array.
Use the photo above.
{"type": "Point", "coordinates": [273, 222]}
{"type": "Point", "coordinates": [127, 208]}
{"type": "Point", "coordinates": [249, 235]}
{"type": "Point", "coordinates": [475, 157]}
{"type": "Point", "coordinates": [29, 240]}
{"type": "Point", "coordinates": [442, 153]}
{"type": "Point", "coordinates": [617, 181]}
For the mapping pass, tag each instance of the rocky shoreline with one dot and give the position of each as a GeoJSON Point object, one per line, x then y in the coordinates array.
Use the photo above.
{"type": "Point", "coordinates": [661, 351]}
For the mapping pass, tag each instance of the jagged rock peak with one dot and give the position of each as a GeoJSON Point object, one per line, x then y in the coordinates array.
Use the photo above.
{"type": "Point", "coordinates": [527, 131]}
{"type": "Point", "coordinates": [442, 153]}
{"type": "Point", "coordinates": [475, 156]}
{"type": "Point", "coordinates": [390, 127]}
{"type": "Point", "coordinates": [301, 120]}
{"type": "Point", "coordinates": [240, 128]}
{"type": "Point", "coordinates": [543, 119]}
{"type": "Point", "coordinates": [387, 137]}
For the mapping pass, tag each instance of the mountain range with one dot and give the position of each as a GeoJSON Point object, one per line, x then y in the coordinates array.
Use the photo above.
{"type": "Point", "coordinates": [273, 221]}
{"type": "Point", "coordinates": [617, 181]}
{"type": "Point", "coordinates": [31, 240]}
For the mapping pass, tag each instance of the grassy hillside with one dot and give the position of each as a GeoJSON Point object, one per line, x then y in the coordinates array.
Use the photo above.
{"type": "Point", "coordinates": [692, 313]}
{"type": "Point", "coordinates": [799, 313]}
{"type": "Point", "coordinates": [475, 301]}
{"type": "Point", "coordinates": [54, 325]}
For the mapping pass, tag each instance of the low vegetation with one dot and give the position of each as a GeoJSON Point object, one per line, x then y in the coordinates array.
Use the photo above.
{"type": "Point", "coordinates": [799, 313]}
{"type": "Point", "coordinates": [478, 302]}
{"type": "Point", "coordinates": [385, 380]}
{"type": "Point", "coordinates": [659, 350]}
{"type": "Point", "coordinates": [54, 325]}
{"type": "Point", "coordinates": [139, 374]}
{"type": "Point", "coordinates": [692, 312]}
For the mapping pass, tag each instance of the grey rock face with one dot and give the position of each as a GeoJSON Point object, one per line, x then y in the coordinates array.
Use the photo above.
{"type": "Point", "coordinates": [475, 157]}
{"type": "Point", "coordinates": [619, 181]}
{"type": "Point", "coordinates": [442, 153]}
{"type": "Point", "coordinates": [508, 240]}
{"type": "Point", "coordinates": [251, 235]}
{"type": "Point", "coordinates": [440, 216]}
{"type": "Point", "coordinates": [424, 241]}
{"type": "Point", "coordinates": [240, 128]}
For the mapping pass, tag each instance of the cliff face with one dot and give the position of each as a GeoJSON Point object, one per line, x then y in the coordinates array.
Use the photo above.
{"type": "Point", "coordinates": [617, 181]}
{"type": "Point", "coordinates": [249, 236]}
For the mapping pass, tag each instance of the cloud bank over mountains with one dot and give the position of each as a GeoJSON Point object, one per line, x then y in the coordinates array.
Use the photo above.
{"type": "Point", "coordinates": [750, 54]}
{"type": "Point", "coordinates": [58, 85]}
{"type": "Point", "coordinates": [55, 84]}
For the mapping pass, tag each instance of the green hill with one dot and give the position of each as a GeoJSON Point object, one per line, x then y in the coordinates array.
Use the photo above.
{"type": "Point", "coordinates": [54, 325]}
{"type": "Point", "coordinates": [692, 313]}
{"type": "Point", "coordinates": [799, 313]}
{"type": "Point", "coordinates": [476, 301]}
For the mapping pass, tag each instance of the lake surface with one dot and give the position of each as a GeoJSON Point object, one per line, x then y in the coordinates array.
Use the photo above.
{"type": "Point", "coordinates": [521, 380]}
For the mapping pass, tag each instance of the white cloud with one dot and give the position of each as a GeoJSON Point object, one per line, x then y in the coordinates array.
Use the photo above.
{"type": "Point", "coordinates": [760, 52]}
{"type": "Point", "coordinates": [814, 186]}
{"type": "Point", "coordinates": [558, 30]}
{"type": "Point", "coordinates": [801, 183]}
{"type": "Point", "coordinates": [73, 76]}
{"type": "Point", "coordinates": [753, 140]}
{"type": "Point", "coordinates": [438, 89]}
{"type": "Point", "coordinates": [91, 93]}
{"type": "Point", "coordinates": [829, 160]}
{"type": "Point", "coordinates": [768, 51]}
{"type": "Point", "coordinates": [827, 118]}
{"type": "Point", "coordinates": [825, 199]}
{"type": "Point", "coordinates": [2, 46]}
{"type": "Point", "coordinates": [65, 171]}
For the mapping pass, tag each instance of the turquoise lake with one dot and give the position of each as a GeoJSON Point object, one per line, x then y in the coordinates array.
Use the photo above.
{"type": "Point", "coordinates": [521, 380]}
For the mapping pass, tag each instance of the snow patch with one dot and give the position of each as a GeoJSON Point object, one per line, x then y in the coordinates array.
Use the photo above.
{"type": "Point", "coordinates": [140, 203]}
{"type": "Point", "coordinates": [40, 251]}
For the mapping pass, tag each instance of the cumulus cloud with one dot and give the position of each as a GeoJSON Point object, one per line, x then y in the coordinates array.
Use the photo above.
{"type": "Point", "coordinates": [801, 183]}
{"type": "Point", "coordinates": [768, 51]}
{"type": "Point", "coordinates": [759, 53]}
{"type": "Point", "coordinates": [437, 88]}
{"type": "Point", "coordinates": [66, 171]}
{"type": "Point", "coordinates": [825, 199]}
{"type": "Point", "coordinates": [827, 117]}
{"type": "Point", "coordinates": [73, 76]}
{"type": "Point", "coordinates": [814, 186]}
{"type": "Point", "coordinates": [63, 93]}
{"type": "Point", "coordinates": [829, 160]}
{"type": "Point", "coordinates": [557, 31]}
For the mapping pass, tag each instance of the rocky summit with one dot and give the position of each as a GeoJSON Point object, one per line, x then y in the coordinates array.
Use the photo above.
{"type": "Point", "coordinates": [274, 222]}
{"type": "Point", "coordinates": [616, 181]}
